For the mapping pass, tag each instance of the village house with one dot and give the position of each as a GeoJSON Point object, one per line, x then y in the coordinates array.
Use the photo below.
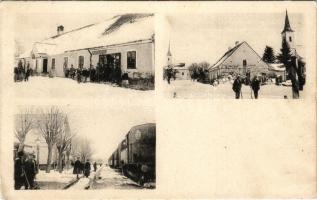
{"type": "Point", "coordinates": [241, 59]}
{"type": "Point", "coordinates": [124, 40]}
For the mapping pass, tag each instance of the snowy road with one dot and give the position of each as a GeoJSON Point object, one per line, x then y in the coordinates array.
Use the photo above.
{"type": "Point", "coordinates": [44, 87]}
{"type": "Point", "coordinates": [194, 90]}
{"type": "Point", "coordinates": [111, 179]}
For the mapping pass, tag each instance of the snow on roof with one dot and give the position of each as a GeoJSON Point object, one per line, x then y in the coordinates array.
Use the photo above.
{"type": "Point", "coordinates": [117, 30]}
{"type": "Point", "coordinates": [226, 55]}
{"type": "Point", "coordinates": [277, 66]}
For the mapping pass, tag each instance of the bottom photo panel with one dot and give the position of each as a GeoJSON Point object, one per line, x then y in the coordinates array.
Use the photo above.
{"type": "Point", "coordinates": [84, 148]}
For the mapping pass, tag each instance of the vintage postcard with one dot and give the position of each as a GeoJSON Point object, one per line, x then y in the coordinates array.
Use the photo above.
{"type": "Point", "coordinates": [138, 100]}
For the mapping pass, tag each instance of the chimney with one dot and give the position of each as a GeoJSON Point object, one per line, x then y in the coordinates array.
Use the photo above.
{"type": "Point", "coordinates": [236, 43]}
{"type": "Point", "coordinates": [60, 30]}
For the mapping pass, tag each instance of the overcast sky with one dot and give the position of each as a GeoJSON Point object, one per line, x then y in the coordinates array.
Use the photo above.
{"type": "Point", "coordinates": [196, 38]}
{"type": "Point", "coordinates": [34, 27]}
{"type": "Point", "coordinates": [106, 127]}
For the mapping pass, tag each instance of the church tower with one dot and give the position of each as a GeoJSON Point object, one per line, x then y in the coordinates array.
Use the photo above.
{"type": "Point", "coordinates": [288, 35]}
{"type": "Point", "coordinates": [169, 55]}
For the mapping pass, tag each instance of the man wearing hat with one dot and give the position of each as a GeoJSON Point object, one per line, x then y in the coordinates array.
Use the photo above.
{"type": "Point", "coordinates": [236, 87]}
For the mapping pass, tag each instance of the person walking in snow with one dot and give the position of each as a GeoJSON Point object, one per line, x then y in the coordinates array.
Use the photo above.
{"type": "Point", "coordinates": [87, 169]}
{"type": "Point", "coordinates": [236, 87]}
{"type": "Point", "coordinates": [255, 85]}
{"type": "Point", "coordinates": [77, 167]}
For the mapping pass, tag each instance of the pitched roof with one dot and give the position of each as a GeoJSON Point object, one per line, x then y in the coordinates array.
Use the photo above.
{"type": "Point", "coordinates": [287, 26]}
{"type": "Point", "coordinates": [116, 30]}
{"type": "Point", "coordinates": [230, 52]}
{"type": "Point", "coordinates": [226, 55]}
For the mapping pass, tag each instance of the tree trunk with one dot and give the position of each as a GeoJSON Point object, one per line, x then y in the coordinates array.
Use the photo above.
{"type": "Point", "coordinates": [60, 158]}
{"type": "Point", "coordinates": [49, 158]}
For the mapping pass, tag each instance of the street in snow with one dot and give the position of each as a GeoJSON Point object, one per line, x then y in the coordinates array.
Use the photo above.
{"type": "Point", "coordinates": [109, 178]}
{"type": "Point", "coordinates": [44, 87]}
{"type": "Point", "coordinates": [190, 90]}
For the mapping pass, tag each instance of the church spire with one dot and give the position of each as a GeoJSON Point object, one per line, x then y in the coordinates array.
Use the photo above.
{"type": "Point", "coordinates": [287, 26]}
{"type": "Point", "coordinates": [169, 49]}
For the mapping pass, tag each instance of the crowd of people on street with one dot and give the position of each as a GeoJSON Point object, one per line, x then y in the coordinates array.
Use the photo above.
{"type": "Point", "coordinates": [22, 72]}
{"type": "Point", "coordinates": [25, 170]}
{"type": "Point", "coordinates": [100, 73]}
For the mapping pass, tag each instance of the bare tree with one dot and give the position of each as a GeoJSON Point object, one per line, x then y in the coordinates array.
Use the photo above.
{"type": "Point", "coordinates": [85, 149]}
{"type": "Point", "coordinates": [81, 147]}
{"type": "Point", "coordinates": [51, 125]}
{"type": "Point", "coordinates": [23, 124]}
{"type": "Point", "coordinates": [63, 143]}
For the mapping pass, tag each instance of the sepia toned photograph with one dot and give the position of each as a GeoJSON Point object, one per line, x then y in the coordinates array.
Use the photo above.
{"type": "Point", "coordinates": [152, 100]}
{"type": "Point", "coordinates": [64, 148]}
{"type": "Point", "coordinates": [98, 55]}
{"type": "Point", "coordinates": [241, 56]}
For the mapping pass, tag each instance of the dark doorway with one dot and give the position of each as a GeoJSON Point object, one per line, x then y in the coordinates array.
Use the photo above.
{"type": "Point", "coordinates": [110, 60]}
{"type": "Point", "coordinates": [45, 65]}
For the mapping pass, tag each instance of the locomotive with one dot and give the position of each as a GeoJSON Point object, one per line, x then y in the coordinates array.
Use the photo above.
{"type": "Point", "coordinates": [135, 154]}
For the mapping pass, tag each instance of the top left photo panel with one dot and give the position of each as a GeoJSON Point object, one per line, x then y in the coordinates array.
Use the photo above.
{"type": "Point", "coordinates": [84, 55]}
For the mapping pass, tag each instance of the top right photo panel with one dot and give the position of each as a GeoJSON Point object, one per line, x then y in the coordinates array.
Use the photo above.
{"type": "Point", "coordinates": [235, 56]}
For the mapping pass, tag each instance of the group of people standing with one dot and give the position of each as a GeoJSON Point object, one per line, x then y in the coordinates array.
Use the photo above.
{"type": "Point", "coordinates": [83, 168]}
{"type": "Point", "coordinates": [22, 72]}
{"type": "Point", "coordinates": [25, 170]}
{"type": "Point", "coordinates": [100, 73]}
{"type": "Point", "coordinates": [254, 84]}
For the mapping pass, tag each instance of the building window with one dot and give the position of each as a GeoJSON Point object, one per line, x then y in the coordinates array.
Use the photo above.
{"type": "Point", "coordinates": [290, 38]}
{"type": "Point", "coordinates": [81, 61]}
{"type": "Point", "coordinates": [244, 62]}
{"type": "Point", "coordinates": [65, 62]}
{"type": "Point", "coordinates": [131, 59]}
{"type": "Point", "coordinates": [53, 63]}
{"type": "Point", "coordinates": [183, 73]}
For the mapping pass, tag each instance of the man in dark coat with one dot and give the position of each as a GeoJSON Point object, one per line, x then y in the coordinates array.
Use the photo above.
{"type": "Point", "coordinates": [18, 171]}
{"type": "Point", "coordinates": [30, 172]}
{"type": "Point", "coordinates": [255, 85]}
{"type": "Point", "coordinates": [87, 169]}
{"type": "Point", "coordinates": [236, 87]}
{"type": "Point", "coordinates": [72, 72]}
{"type": "Point", "coordinates": [169, 73]}
{"type": "Point", "coordinates": [79, 73]}
{"type": "Point", "coordinates": [77, 168]}
{"type": "Point", "coordinates": [92, 73]}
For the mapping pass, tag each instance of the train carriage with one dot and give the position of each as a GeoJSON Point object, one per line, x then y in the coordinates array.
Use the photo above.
{"type": "Point", "coordinates": [135, 155]}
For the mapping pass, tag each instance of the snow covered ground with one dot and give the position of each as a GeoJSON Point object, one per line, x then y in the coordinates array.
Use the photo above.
{"type": "Point", "coordinates": [110, 179]}
{"type": "Point", "coordinates": [54, 179]}
{"type": "Point", "coordinates": [194, 90]}
{"type": "Point", "coordinates": [44, 87]}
